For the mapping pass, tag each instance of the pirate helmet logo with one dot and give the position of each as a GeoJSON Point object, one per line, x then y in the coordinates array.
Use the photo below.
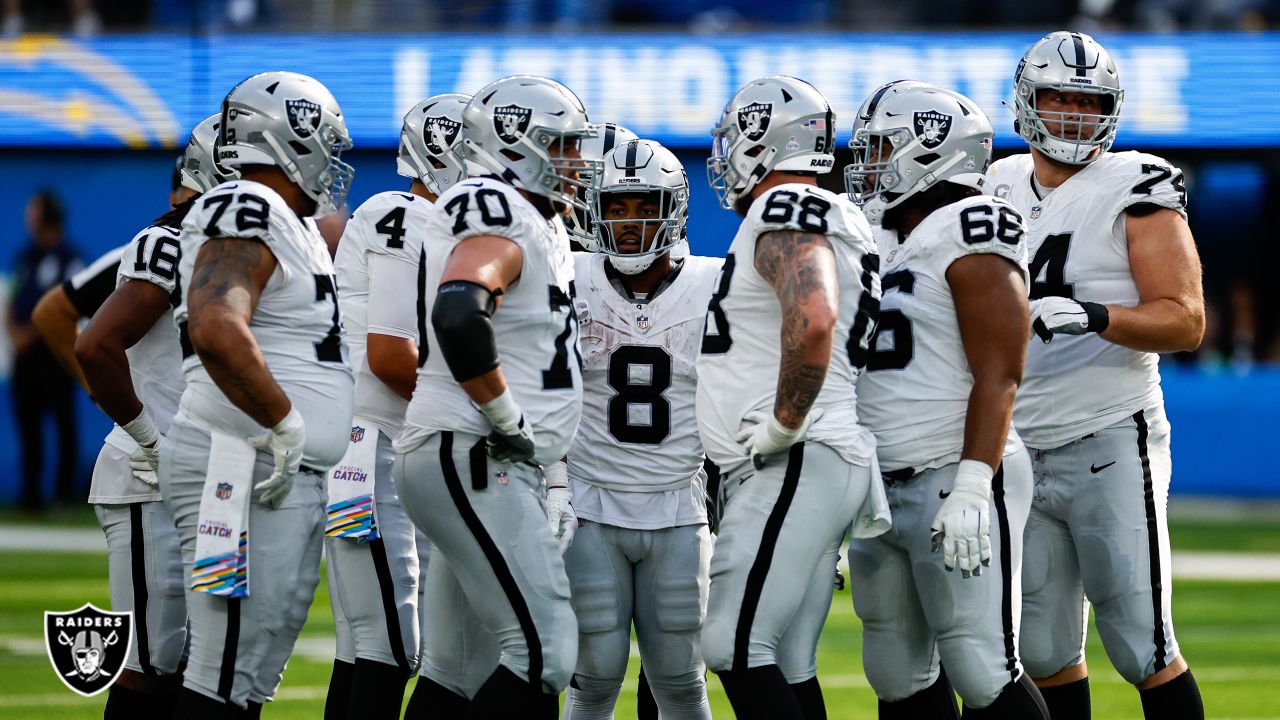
{"type": "Point", "coordinates": [753, 120]}
{"type": "Point", "coordinates": [304, 116]}
{"type": "Point", "coordinates": [932, 127]}
{"type": "Point", "coordinates": [511, 122]}
{"type": "Point", "coordinates": [87, 647]}
{"type": "Point", "coordinates": [439, 133]}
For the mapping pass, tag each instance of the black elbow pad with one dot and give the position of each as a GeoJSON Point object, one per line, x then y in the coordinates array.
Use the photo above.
{"type": "Point", "coordinates": [461, 319]}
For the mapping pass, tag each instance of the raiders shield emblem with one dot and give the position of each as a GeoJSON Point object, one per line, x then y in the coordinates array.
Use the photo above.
{"type": "Point", "coordinates": [932, 127]}
{"type": "Point", "coordinates": [753, 120]}
{"type": "Point", "coordinates": [357, 434]}
{"type": "Point", "coordinates": [87, 647]}
{"type": "Point", "coordinates": [222, 491]}
{"type": "Point", "coordinates": [439, 133]}
{"type": "Point", "coordinates": [510, 122]}
{"type": "Point", "coordinates": [304, 116]}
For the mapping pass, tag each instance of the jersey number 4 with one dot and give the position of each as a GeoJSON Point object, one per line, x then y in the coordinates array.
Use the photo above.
{"type": "Point", "coordinates": [638, 389]}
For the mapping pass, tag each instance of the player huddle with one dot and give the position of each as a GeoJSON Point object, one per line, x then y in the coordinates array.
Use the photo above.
{"type": "Point", "coordinates": [505, 448]}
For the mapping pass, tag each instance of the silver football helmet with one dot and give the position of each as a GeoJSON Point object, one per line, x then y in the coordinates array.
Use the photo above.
{"type": "Point", "coordinates": [774, 123]}
{"type": "Point", "coordinates": [527, 130]}
{"type": "Point", "coordinates": [198, 169]}
{"type": "Point", "coordinates": [640, 167]}
{"type": "Point", "coordinates": [1067, 62]}
{"type": "Point", "coordinates": [427, 140]}
{"type": "Point", "coordinates": [290, 121]}
{"type": "Point", "coordinates": [606, 137]}
{"type": "Point", "coordinates": [914, 140]}
{"type": "Point", "coordinates": [865, 111]}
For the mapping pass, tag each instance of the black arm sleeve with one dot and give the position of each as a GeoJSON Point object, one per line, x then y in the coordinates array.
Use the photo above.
{"type": "Point", "coordinates": [461, 319]}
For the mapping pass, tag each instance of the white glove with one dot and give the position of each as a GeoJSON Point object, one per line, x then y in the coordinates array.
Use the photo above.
{"type": "Point", "coordinates": [145, 461]}
{"type": "Point", "coordinates": [1063, 316]}
{"type": "Point", "coordinates": [285, 442]}
{"type": "Point", "coordinates": [962, 527]}
{"type": "Point", "coordinates": [560, 515]}
{"type": "Point", "coordinates": [512, 438]}
{"type": "Point", "coordinates": [767, 436]}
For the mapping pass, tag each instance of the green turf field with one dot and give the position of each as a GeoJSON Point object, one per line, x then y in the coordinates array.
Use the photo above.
{"type": "Point", "coordinates": [1229, 631]}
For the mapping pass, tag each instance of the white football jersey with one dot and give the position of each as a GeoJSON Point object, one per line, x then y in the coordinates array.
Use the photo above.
{"type": "Point", "coordinates": [1079, 249]}
{"type": "Point", "coordinates": [391, 224]}
{"type": "Point", "coordinates": [738, 368]}
{"type": "Point", "coordinates": [297, 323]}
{"type": "Point", "coordinates": [535, 327]}
{"type": "Point", "coordinates": [639, 436]}
{"type": "Point", "coordinates": [915, 393]}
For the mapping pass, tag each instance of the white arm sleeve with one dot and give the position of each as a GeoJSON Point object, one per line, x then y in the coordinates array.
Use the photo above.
{"type": "Point", "coordinates": [393, 297]}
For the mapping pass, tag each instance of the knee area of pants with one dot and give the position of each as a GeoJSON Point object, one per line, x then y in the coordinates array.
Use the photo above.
{"type": "Point", "coordinates": [1042, 659]}
{"type": "Point", "coordinates": [893, 685]}
{"type": "Point", "coordinates": [933, 581]}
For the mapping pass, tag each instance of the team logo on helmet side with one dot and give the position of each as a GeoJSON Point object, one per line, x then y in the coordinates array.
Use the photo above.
{"type": "Point", "coordinates": [510, 122]}
{"type": "Point", "coordinates": [87, 647]}
{"type": "Point", "coordinates": [304, 116]}
{"type": "Point", "coordinates": [439, 133]}
{"type": "Point", "coordinates": [932, 127]}
{"type": "Point", "coordinates": [753, 120]}
{"type": "Point", "coordinates": [222, 491]}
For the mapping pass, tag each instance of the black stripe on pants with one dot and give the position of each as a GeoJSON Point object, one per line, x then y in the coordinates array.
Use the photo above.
{"type": "Point", "coordinates": [138, 558]}
{"type": "Point", "coordinates": [1153, 541]}
{"type": "Point", "coordinates": [764, 556]}
{"type": "Point", "coordinates": [386, 587]}
{"type": "Point", "coordinates": [1006, 574]}
{"type": "Point", "coordinates": [231, 644]}
{"type": "Point", "coordinates": [491, 553]}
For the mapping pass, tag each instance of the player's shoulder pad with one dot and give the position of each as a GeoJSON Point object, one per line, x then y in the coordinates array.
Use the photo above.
{"type": "Point", "coordinates": [981, 224]}
{"type": "Point", "coordinates": [240, 209]}
{"type": "Point", "coordinates": [584, 263]}
{"type": "Point", "coordinates": [1003, 173]}
{"type": "Point", "coordinates": [486, 206]}
{"type": "Point", "coordinates": [389, 223]}
{"type": "Point", "coordinates": [810, 209]}
{"type": "Point", "coordinates": [702, 267]}
{"type": "Point", "coordinates": [1138, 178]}
{"type": "Point", "coordinates": [153, 256]}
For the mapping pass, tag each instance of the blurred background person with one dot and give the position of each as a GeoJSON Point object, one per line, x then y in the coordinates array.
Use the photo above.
{"type": "Point", "coordinates": [40, 386]}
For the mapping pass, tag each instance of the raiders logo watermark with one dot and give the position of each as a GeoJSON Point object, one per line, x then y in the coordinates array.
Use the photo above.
{"type": "Point", "coordinates": [932, 127]}
{"type": "Point", "coordinates": [439, 133]}
{"type": "Point", "coordinates": [88, 647]}
{"type": "Point", "coordinates": [304, 116]}
{"type": "Point", "coordinates": [753, 120]}
{"type": "Point", "coordinates": [511, 122]}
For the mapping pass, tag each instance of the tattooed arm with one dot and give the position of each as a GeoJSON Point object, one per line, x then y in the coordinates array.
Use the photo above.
{"type": "Point", "coordinates": [801, 267]}
{"type": "Point", "coordinates": [227, 281]}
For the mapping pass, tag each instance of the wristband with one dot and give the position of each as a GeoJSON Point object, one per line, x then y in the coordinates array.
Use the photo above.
{"type": "Point", "coordinates": [503, 412]}
{"type": "Point", "coordinates": [556, 475]}
{"type": "Point", "coordinates": [1097, 316]}
{"type": "Point", "coordinates": [974, 476]}
{"type": "Point", "coordinates": [142, 429]}
{"type": "Point", "coordinates": [291, 422]}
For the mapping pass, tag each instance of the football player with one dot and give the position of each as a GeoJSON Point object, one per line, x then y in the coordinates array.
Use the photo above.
{"type": "Point", "coordinates": [642, 550]}
{"type": "Point", "coordinates": [501, 393]}
{"type": "Point", "coordinates": [267, 406]}
{"type": "Point", "coordinates": [1115, 280]}
{"type": "Point", "coordinates": [131, 363]}
{"type": "Point", "coordinates": [604, 137]}
{"type": "Point", "coordinates": [779, 418]}
{"type": "Point", "coordinates": [372, 556]}
{"type": "Point", "coordinates": [944, 365]}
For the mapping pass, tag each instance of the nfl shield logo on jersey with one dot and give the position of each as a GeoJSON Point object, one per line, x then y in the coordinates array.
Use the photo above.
{"type": "Point", "coordinates": [511, 121]}
{"type": "Point", "coordinates": [87, 647]}
{"type": "Point", "coordinates": [753, 120]}
{"type": "Point", "coordinates": [1035, 212]}
{"type": "Point", "coordinates": [643, 324]}
{"type": "Point", "coordinates": [439, 133]}
{"type": "Point", "coordinates": [357, 434]}
{"type": "Point", "coordinates": [304, 116]}
{"type": "Point", "coordinates": [222, 491]}
{"type": "Point", "coordinates": [932, 127]}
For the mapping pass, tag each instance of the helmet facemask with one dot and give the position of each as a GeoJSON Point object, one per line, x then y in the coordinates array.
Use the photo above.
{"type": "Point", "coordinates": [633, 243]}
{"type": "Point", "coordinates": [1074, 138]}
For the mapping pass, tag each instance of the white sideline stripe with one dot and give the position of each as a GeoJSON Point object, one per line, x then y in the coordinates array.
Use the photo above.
{"type": "Point", "coordinates": [1187, 564]}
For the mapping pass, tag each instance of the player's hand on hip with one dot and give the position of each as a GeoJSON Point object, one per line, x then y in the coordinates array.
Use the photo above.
{"type": "Point", "coordinates": [284, 442]}
{"type": "Point", "coordinates": [145, 462]}
{"type": "Point", "coordinates": [560, 515]}
{"type": "Point", "coordinates": [962, 527]}
{"type": "Point", "coordinates": [1063, 316]}
{"type": "Point", "coordinates": [763, 435]}
{"type": "Point", "coordinates": [512, 437]}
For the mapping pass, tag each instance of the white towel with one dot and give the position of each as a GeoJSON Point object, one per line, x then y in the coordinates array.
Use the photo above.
{"type": "Point", "coordinates": [222, 532]}
{"type": "Point", "coordinates": [873, 516]}
{"type": "Point", "coordinates": [351, 510]}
